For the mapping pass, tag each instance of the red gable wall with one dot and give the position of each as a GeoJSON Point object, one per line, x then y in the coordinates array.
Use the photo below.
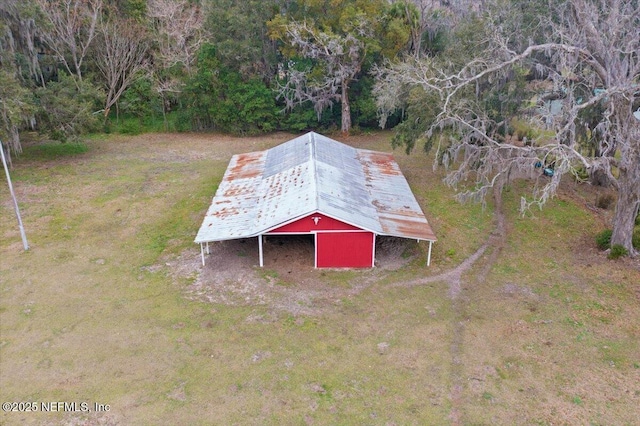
{"type": "Point", "coordinates": [338, 245]}
{"type": "Point", "coordinates": [308, 224]}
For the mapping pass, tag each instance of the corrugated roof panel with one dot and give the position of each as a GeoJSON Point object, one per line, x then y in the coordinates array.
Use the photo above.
{"type": "Point", "coordinates": [399, 213]}
{"type": "Point", "coordinates": [245, 166]}
{"type": "Point", "coordinates": [342, 195]}
{"type": "Point", "coordinates": [234, 207]}
{"type": "Point", "coordinates": [340, 190]}
{"type": "Point", "coordinates": [287, 155]}
{"type": "Point", "coordinates": [334, 153]}
{"type": "Point", "coordinates": [286, 195]}
{"type": "Point", "coordinates": [262, 190]}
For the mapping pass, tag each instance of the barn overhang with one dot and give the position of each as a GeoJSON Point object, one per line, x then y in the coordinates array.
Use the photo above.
{"type": "Point", "coordinates": [314, 180]}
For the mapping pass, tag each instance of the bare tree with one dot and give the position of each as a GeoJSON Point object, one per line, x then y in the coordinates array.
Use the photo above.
{"type": "Point", "coordinates": [70, 29]}
{"type": "Point", "coordinates": [340, 58]}
{"type": "Point", "coordinates": [120, 55]}
{"type": "Point", "coordinates": [179, 35]}
{"type": "Point", "coordinates": [179, 31]}
{"type": "Point", "coordinates": [593, 59]}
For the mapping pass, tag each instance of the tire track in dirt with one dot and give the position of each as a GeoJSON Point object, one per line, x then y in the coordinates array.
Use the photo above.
{"type": "Point", "coordinates": [454, 278]}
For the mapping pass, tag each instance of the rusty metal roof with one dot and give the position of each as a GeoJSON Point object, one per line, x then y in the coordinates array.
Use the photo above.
{"type": "Point", "coordinates": [262, 190]}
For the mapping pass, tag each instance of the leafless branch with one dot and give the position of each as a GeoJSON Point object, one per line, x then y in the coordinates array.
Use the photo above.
{"type": "Point", "coordinates": [121, 54]}
{"type": "Point", "coordinates": [70, 30]}
{"type": "Point", "coordinates": [179, 26]}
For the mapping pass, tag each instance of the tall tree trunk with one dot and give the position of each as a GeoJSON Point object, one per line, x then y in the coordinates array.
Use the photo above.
{"type": "Point", "coordinates": [105, 113]}
{"type": "Point", "coordinates": [628, 201]}
{"type": "Point", "coordinates": [346, 109]}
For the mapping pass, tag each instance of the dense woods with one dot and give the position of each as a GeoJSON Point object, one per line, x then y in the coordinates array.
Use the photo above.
{"type": "Point", "coordinates": [75, 66]}
{"type": "Point", "coordinates": [502, 89]}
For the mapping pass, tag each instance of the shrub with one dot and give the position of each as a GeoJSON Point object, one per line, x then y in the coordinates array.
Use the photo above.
{"type": "Point", "coordinates": [141, 100]}
{"type": "Point", "coordinates": [67, 108]}
{"type": "Point", "coordinates": [130, 126]}
{"type": "Point", "coordinates": [219, 98]}
{"type": "Point", "coordinates": [617, 251]}
{"type": "Point", "coordinates": [603, 239]}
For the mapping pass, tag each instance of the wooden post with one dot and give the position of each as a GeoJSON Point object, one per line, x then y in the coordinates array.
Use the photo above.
{"type": "Point", "coordinates": [429, 255]}
{"type": "Point", "coordinates": [202, 253]}
{"type": "Point", "coordinates": [260, 250]}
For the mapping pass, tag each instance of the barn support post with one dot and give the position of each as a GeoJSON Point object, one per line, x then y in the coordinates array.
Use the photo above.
{"type": "Point", "coordinates": [260, 250]}
{"type": "Point", "coordinates": [373, 252]}
{"type": "Point", "coordinates": [202, 253]}
{"type": "Point", "coordinates": [315, 250]}
{"type": "Point", "coordinates": [208, 252]}
{"type": "Point", "coordinates": [429, 254]}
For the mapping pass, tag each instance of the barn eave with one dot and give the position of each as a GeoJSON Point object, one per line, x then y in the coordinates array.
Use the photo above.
{"type": "Point", "coordinates": [312, 174]}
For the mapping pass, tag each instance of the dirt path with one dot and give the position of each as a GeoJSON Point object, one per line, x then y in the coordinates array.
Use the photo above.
{"type": "Point", "coordinates": [453, 277]}
{"type": "Point", "coordinates": [495, 243]}
{"type": "Point", "coordinates": [457, 284]}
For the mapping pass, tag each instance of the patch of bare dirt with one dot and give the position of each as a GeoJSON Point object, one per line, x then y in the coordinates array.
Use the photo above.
{"type": "Point", "coordinates": [515, 290]}
{"type": "Point", "coordinates": [288, 282]}
{"type": "Point", "coordinates": [586, 253]}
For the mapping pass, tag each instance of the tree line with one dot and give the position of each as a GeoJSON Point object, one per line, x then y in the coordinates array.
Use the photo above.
{"type": "Point", "coordinates": [73, 66]}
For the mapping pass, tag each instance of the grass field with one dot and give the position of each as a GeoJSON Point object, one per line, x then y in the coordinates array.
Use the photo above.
{"type": "Point", "coordinates": [544, 330]}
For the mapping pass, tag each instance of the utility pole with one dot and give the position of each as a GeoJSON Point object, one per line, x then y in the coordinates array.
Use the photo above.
{"type": "Point", "coordinates": [15, 202]}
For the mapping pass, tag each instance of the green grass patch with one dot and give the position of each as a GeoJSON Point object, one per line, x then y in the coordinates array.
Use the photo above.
{"type": "Point", "coordinates": [136, 126]}
{"type": "Point", "coordinates": [341, 278]}
{"type": "Point", "coordinates": [176, 230]}
{"type": "Point", "coordinates": [603, 239]}
{"type": "Point", "coordinates": [53, 150]}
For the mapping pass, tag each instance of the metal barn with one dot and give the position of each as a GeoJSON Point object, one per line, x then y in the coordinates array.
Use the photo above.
{"type": "Point", "coordinates": [343, 196]}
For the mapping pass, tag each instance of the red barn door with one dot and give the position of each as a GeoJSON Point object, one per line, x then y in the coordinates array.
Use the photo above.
{"type": "Point", "coordinates": [344, 249]}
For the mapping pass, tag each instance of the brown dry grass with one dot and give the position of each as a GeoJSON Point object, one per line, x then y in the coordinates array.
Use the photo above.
{"type": "Point", "coordinates": [112, 306]}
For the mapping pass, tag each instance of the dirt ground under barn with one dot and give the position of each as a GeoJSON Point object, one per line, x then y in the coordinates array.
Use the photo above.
{"type": "Point", "coordinates": [288, 281]}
